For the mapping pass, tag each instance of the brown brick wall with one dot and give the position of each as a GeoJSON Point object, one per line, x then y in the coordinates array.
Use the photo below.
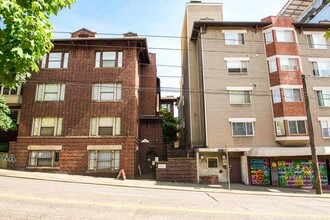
{"type": "Point", "coordinates": [178, 170]}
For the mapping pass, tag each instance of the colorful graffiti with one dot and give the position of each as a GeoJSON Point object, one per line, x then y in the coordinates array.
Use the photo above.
{"type": "Point", "coordinates": [260, 171]}
{"type": "Point", "coordinates": [300, 173]}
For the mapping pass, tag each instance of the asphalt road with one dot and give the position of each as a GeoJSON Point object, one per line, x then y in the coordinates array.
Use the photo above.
{"type": "Point", "coordinates": [38, 199]}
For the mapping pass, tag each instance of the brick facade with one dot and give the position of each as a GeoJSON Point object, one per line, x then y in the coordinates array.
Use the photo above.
{"type": "Point", "coordinates": [77, 108]}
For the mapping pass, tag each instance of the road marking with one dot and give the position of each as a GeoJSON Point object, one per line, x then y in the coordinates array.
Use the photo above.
{"type": "Point", "coordinates": [107, 204]}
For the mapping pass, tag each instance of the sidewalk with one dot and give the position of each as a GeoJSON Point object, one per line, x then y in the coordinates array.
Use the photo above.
{"type": "Point", "coordinates": [152, 184]}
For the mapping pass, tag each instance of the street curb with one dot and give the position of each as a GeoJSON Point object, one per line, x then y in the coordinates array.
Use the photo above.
{"type": "Point", "coordinates": [173, 188]}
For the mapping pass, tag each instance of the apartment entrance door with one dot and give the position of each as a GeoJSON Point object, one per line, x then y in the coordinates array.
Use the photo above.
{"type": "Point", "coordinates": [235, 169]}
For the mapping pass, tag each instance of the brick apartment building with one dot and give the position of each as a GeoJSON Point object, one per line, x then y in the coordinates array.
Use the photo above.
{"type": "Point", "coordinates": [89, 108]}
{"type": "Point", "coordinates": [242, 87]}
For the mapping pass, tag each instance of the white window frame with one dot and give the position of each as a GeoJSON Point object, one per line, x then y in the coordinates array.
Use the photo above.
{"type": "Point", "coordinates": [276, 95]}
{"type": "Point", "coordinates": [284, 36]}
{"type": "Point", "coordinates": [269, 37]}
{"type": "Point", "coordinates": [272, 65]}
{"type": "Point", "coordinates": [245, 121]}
{"type": "Point", "coordinates": [242, 94]}
{"type": "Point", "coordinates": [280, 128]}
{"type": "Point", "coordinates": [38, 125]}
{"type": "Point", "coordinates": [241, 68]}
{"type": "Point", "coordinates": [291, 97]}
{"type": "Point", "coordinates": [54, 159]}
{"type": "Point", "coordinates": [208, 163]}
{"type": "Point", "coordinates": [289, 61]}
{"type": "Point", "coordinates": [93, 162]}
{"type": "Point", "coordinates": [62, 63]}
{"type": "Point", "coordinates": [320, 94]}
{"type": "Point", "coordinates": [17, 91]}
{"type": "Point", "coordinates": [316, 67]}
{"type": "Point", "coordinates": [297, 127]}
{"type": "Point", "coordinates": [98, 91]}
{"type": "Point", "coordinates": [325, 124]}
{"type": "Point", "coordinates": [95, 126]}
{"type": "Point", "coordinates": [41, 92]}
{"type": "Point", "coordinates": [239, 38]}
{"type": "Point", "coordinates": [118, 59]}
{"type": "Point", "coordinates": [311, 38]}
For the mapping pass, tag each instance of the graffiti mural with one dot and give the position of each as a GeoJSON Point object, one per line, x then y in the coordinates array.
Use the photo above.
{"type": "Point", "coordinates": [260, 171]}
{"type": "Point", "coordinates": [300, 173]}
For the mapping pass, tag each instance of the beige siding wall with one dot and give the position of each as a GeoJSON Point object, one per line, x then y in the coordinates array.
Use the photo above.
{"type": "Point", "coordinates": [313, 81]}
{"type": "Point", "coordinates": [219, 110]}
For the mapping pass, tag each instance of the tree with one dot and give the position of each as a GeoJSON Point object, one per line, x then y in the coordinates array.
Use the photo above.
{"type": "Point", "coordinates": [25, 36]}
{"type": "Point", "coordinates": [5, 121]}
{"type": "Point", "coordinates": [170, 127]}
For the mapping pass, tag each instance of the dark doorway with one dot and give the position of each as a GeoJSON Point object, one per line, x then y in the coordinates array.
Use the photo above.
{"type": "Point", "coordinates": [150, 163]}
{"type": "Point", "coordinates": [235, 169]}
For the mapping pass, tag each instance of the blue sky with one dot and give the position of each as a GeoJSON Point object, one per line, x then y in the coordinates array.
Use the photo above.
{"type": "Point", "coordinates": [153, 17]}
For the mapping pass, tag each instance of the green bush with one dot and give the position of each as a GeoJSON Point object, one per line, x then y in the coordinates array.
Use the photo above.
{"type": "Point", "coordinates": [4, 148]}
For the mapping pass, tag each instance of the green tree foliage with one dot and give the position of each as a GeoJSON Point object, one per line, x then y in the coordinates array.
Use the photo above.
{"type": "Point", "coordinates": [170, 126]}
{"type": "Point", "coordinates": [5, 121]}
{"type": "Point", "coordinates": [25, 36]}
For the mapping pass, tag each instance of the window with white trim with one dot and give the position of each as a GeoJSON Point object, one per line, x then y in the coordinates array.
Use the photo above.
{"type": "Point", "coordinates": [47, 126]}
{"type": "Point", "coordinates": [105, 126]}
{"type": "Point", "coordinates": [280, 128]}
{"type": "Point", "coordinates": [284, 36]}
{"type": "Point", "coordinates": [55, 60]}
{"type": "Point", "coordinates": [292, 95]}
{"type": "Point", "coordinates": [237, 66]}
{"type": "Point", "coordinates": [297, 127]}
{"type": "Point", "coordinates": [323, 97]}
{"type": "Point", "coordinates": [240, 97]}
{"type": "Point", "coordinates": [242, 128]}
{"type": "Point", "coordinates": [288, 64]}
{"type": "Point", "coordinates": [321, 68]}
{"type": "Point", "coordinates": [44, 158]}
{"type": "Point", "coordinates": [104, 160]}
{"type": "Point", "coordinates": [316, 41]}
{"type": "Point", "coordinates": [109, 59]}
{"type": "Point", "coordinates": [325, 127]}
{"type": "Point", "coordinates": [272, 65]}
{"type": "Point", "coordinates": [50, 92]}
{"type": "Point", "coordinates": [234, 38]}
{"type": "Point", "coordinates": [212, 162]}
{"type": "Point", "coordinates": [107, 91]}
{"type": "Point", "coordinates": [10, 91]}
{"type": "Point", "coordinates": [269, 37]}
{"type": "Point", "coordinates": [276, 94]}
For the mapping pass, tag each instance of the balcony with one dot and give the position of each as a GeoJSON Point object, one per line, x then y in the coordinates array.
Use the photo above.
{"type": "Point", "coordinates": [13, 99]}
{"type": "Point", "coordinates": [293, 141]}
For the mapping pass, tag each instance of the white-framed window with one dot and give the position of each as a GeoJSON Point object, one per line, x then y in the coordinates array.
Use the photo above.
{"type": "Point", "coordinates": [276, 94]}
{"type": "Point", "coordinates": [44, 158]}
{"type": "Point", "coordinates": [55, 60]}
{"type": "Point", "coordinates": [107, 91]}
{"type": "Point", "coordinates": [212, 162]}
{"type": "Point", "coordinates": [15, 115]}
{"type": "Point", "coordinates": [325, 127]}
{"type": "Point", "coordinates": [10, 91]}
{"type": "Point", "coordinates": [104, 159]}
{"type": "Point", "coordinates": [288, 64]}
{"type": "Point", "coordinates": [47, 126]}
{"type": "Point", "coordinates": [50, 92]}
{"type": "Point", "coordinates": [316, 41]}
{"type": "Point", "coordinates": [242, 129]}
{"type": "Point", "coordinates": [269, 37]}
{"type": "Point", "coordinates": [166, 106]}
{"type": "Point", "coordinates": [323, 97]}
{"type": "Point", "coordinates": [237, 66]}
{"type": "Point", "coordinates": [240, 97]}
{"type": "Point", "coordinates": [234, 38]}
{"type": "Point", "coordinates": [292, 95]}
{"type": "Point", "coordinates": [109, 59]}
{"type": "Point", "coordinates": [105, 126]}
{"type": "Point", "coordinates": [272, 65]}
{"type": "Point", "coordinates": [280, 128]}
{"type": "Point", "coordinates": [321, 68]}
{"type": "Point", "coordinates": [284, 36]}
{"type": "Point", "coordinates": [297, 127]}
